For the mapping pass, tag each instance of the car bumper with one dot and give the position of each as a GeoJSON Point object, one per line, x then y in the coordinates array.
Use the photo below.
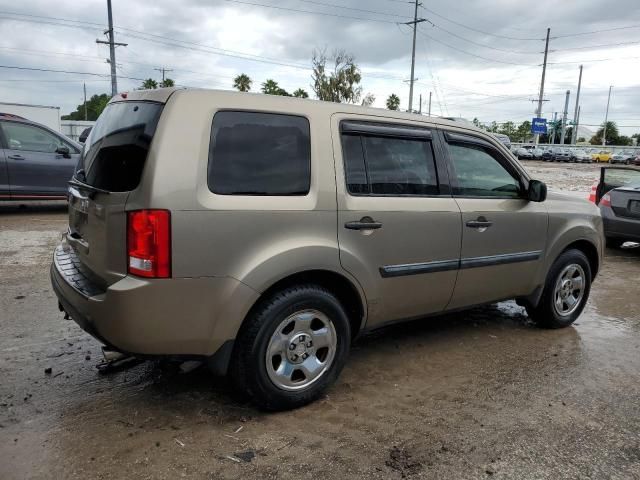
{"type": "Point", "coordinates": [178, 316]}
{"type": "Point", "coordinates": [620, 227]}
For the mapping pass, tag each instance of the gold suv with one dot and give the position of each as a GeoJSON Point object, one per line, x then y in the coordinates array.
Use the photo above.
{"type": "Point", "coordinates": [264, 233]}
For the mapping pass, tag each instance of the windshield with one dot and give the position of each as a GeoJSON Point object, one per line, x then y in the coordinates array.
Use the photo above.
{"type": "Point", "coordinates": [116, 149]}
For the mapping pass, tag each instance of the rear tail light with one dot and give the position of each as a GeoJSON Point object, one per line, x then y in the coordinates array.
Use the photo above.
{"type": "Point", "coordinates": [149, 243]}
{"type": "Point", "coordinates": [594, 190]}
{"type": "Point", "coordinates": [605, 201]}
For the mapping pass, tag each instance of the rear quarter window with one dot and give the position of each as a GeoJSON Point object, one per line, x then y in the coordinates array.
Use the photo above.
{"type": "Point", "coordinates": [255, 153]}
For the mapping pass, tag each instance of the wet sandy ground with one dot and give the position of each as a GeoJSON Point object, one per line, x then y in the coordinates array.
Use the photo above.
{"type": "Point", "coordinates": [481, 394]}
{"type": "Point", "coordinates": [576, 178]}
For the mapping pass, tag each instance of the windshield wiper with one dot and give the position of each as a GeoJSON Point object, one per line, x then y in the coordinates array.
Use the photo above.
{"type": "Point", "coordinates": [77, 183]}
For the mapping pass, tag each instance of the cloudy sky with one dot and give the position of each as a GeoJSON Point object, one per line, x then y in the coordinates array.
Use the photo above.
{"type": "Point", "coordinates": [480, 58]}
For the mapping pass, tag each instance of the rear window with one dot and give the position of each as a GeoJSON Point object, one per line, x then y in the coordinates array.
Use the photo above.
{"type": "Point", "coordinates": [254, 153]}
{"type": "Point", "coordinates": [116, 149]}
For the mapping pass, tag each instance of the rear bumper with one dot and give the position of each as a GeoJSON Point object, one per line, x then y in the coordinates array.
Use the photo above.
{"type": "Point", "coordinates": [620, 227]}
{"type": "Point", "coordinates": [178, 316]}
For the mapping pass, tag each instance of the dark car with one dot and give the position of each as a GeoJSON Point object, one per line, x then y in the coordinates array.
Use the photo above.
{"type": "Point", "coordinates": [85, 133]}
{"type": "Point", "coordinates": [561, 155]}
{"type": "Point", "coordinates": [547, 155]}
{"type": "Point", "coordinates": [523, 154]}
{"type": "Point", "coordinates": [580, 156]}
{"type": "Point", "coordinates": [618, 196]}
{"type": "Point", "coordinates": [36, 162]}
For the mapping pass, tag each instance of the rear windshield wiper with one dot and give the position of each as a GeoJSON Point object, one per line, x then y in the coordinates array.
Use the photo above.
{"type": "Point", "coordinates": [77, 183]}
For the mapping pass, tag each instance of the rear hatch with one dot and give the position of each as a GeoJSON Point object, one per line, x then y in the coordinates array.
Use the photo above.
{"type": "Point", "coordinates": [110, 167]}
{"type": "Point", "coordinates": [625, 201]}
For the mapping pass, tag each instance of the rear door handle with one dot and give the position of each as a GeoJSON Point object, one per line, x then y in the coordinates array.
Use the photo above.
{"type": "Point", "coordinates": [16, 157]}
{"type": "Point", "coordinates": [480, 223]}
{"type": "Point", "coordinates": [365, 223]}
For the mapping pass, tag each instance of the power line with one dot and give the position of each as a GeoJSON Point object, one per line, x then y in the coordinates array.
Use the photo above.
{"type": "Point", "coordinates": [364, 10]}
{"type": "Point", "coordinates": [595, 31]}
{"type": "Point", "coordinates": [475, 55]}
{"type": "Point", "coordinates": [519, 52]}
{"type": "Point", "coordinates": [276, 7]}
{"type": "Point", "coordinates": [597, 46]}
{"type": "Point", "coordinates": [480, 31]}
{"type": "Point", "coordinates": [33, 69]}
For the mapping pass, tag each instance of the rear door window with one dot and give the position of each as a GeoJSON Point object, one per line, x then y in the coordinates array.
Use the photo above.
{"type": "Point", "coordinates": [385, 165]}
{"type": "Point", "coordinates": [255, 153]}
{"type": "Point", "coordinates": [116, 150]}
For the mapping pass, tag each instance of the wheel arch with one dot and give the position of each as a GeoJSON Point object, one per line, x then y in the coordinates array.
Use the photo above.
{"type": "Point", "coordinates": [590, 251]}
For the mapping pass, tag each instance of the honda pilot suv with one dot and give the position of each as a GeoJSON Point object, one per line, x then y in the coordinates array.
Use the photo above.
{"type": "Point", "coordinates": [263, 234]}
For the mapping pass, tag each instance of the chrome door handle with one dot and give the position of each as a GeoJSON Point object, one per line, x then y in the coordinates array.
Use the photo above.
{"type": "Point", "coordinates": [365, 223]}
{"type": "Point", "coordinates": [16, 157]}
{"type": "Point", "coordinates": [481, 223]}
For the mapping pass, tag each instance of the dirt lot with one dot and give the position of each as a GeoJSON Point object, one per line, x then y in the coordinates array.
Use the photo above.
{"type": "Point", "coordinates": [481, 394]}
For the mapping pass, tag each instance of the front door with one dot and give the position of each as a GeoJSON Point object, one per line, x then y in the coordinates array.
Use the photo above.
{"type": "Point", "coordinates": [398, 227]}
{"type": "Point", "coordinates": [503, 233]}
{"type": "Point", "coordinates": [34, 167]}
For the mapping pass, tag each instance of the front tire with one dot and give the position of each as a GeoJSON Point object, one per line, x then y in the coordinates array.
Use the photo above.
{"type": "Point", "coordinates": [291, 348]}
{"type": "Point", "coordinates": [565, 293]}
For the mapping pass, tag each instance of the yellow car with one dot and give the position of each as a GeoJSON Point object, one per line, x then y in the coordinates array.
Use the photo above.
{"type": "Point", "coordinates": [601, 156]}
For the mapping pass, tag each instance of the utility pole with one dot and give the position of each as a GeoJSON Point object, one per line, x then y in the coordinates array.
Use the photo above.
{"type": "Point", "coordinates": [564, 117]}
{"type": "Point", "coordinates": [420, 106]}
{"type": "Point", "coordinates": [84, 87]}
{"type": "Point", "coordinates": [429, 103]}
{"type": "Point", "coordinates": [553, 138]}
{"type": "Point", "coordinates": [112, 50]}
{"type": "Point", "coordinates": [606, 118]}
{"type": "Point", "coordinates": [574, 133]}
{"type": "Point", "coordinates": [576, 124]}
{"type": "Point", "coordinates": [163, 70]}
{"type": "Point", "coordinates": [415, 23]}
{"type": "Point", "coordinates": [544, 71]}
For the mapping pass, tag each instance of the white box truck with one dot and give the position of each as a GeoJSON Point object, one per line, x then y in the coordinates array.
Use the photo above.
{"type": "Point", "coordinates": [49, 116]}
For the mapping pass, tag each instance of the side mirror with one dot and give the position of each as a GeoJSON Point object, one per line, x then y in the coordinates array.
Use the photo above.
{"type": "Point", "coordinates": [537, 191]}
{"type": "Point", "coordinates": [64, 151]}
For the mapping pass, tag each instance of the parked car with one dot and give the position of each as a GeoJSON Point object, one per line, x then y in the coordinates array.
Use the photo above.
{"type": "Point", "coordinates": [636, 160]}
{"type": "Point", "coordinates": [625, 157]}
{"type": "Point", "coordinates": [506, 141]}
{"type": "Point", "coordinates": [523, 154]}
{"type": "Point", "coordinates": [36, 163]}
{"type": "Point", "coordinates": [537, 153]}
{"type": "Point", "coordinates": [296, 225]}
{"type": "Point", "coordinates": [580, 156]}
{"type": "Point", "coordinates": [617, 193]}
{"type": "Point", "coordinates": [561, 154]}
{"type": "Point", "coordinates": [601, 156]}
{"type": "Point", "coordinates": [547, 155]}
{"type": "Point", "coordinates": [84, 135]}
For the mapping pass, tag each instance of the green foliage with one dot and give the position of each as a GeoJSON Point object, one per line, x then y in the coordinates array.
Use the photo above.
{"type": "Point", "coordinates": [368, 100]}
{"type": "Point", "coordinates": [393, 102]}
{"type": "Point", "coordinates": [612, 135]}
{"type": "Point", "coordinates": [271, 87]}
{"type": "Point", "coordinates": [242, 83]}
{"type": "Point", "coordinates": [95, 105]}
{"type": "Point", "coordinates": [342, 84]}
{"type": "Point", "coordinates": [167, 82]}
{"type": "Point", "coordinates": [523, 131]}
{"type": "Point", "coordinates": [149, 84]}
{"type": "Point", "coordinates": [300, 93]}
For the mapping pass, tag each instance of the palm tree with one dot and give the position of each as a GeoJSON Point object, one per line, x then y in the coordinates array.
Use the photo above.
{"type": "Point", "coordinates": [393, 102]}
{"type": "Point", "coordinates": [300, 93]}
{"type": "Point", "coordinates": [149, 84]}
{"type": "Point", "coordinates": [167, 82]}
{"type": "Point", "coordinates": [242, 83]}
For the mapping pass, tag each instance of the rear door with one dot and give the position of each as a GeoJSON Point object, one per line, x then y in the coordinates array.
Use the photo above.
{"type": "Point", "coordinates": [503, 234]}
{"type": "Point", "coordinates": [111, 166]}
{"type": "Point", "coordinates": [398, 227]}
{"type": "Point", "coordinates": [33, 164]}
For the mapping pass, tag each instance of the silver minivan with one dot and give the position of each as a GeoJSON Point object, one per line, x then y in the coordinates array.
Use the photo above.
{"type": "Point", "coordinates": [264, 233]}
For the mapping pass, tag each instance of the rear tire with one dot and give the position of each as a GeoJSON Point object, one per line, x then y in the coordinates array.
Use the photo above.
{"type": "Point", "coordinates": [275, 359]}
{"type": "Point", "coordinates": [565, 293]}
